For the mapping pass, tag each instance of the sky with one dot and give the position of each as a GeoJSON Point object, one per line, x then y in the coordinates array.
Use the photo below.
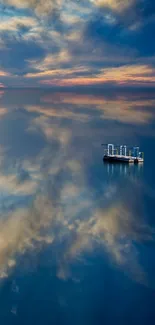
{"type": "Point", "coordinates": [80, 43]}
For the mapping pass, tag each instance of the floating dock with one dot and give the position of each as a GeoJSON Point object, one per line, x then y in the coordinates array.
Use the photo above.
{"type": "Point", "coordinates": [122, 154]}
{"type": "Point", "coordinates": [123, 159]}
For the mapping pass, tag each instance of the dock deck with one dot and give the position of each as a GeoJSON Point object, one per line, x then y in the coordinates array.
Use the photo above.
{"type": "Point", "coordinates": [122, 159]}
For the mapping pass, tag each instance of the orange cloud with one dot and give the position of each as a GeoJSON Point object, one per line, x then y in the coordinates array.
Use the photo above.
{"type": "Point", "coordinates": [3, 74]}
{"type": "Point", "coordinates": [133, 74]}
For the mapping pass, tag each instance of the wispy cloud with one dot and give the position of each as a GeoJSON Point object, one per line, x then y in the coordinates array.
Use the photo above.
{"type": "Point", "coordinates": [124, 75]}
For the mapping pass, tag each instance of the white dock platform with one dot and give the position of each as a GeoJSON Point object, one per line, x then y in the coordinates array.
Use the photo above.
{"type": "Point", "coordinates": [122, 159]}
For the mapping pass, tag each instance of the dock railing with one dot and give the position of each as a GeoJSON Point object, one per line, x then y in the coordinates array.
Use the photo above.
{"type": "Point", "coordinates": [123, 150]}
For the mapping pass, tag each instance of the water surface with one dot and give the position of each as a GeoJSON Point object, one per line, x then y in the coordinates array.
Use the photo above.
{"type": "Point", "coordinates": [76, 235]}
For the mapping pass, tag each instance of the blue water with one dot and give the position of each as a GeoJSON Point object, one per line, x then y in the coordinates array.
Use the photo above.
{"type": "Point", "coordinates": [76, 235]}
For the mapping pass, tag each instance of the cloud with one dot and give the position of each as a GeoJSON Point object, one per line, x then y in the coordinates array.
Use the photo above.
{"type": "Point", "coordinates": [4, 74]}
{"type": "Point", "coordinates": [17, 52]}
{"type": "Point", "coordinates": [59, 43]}
{"type": "Point", "coordinates": [129, 28]}
{"type": "Point", "coordinates": [118, 5]}
{"type": "Point", "coordinates": [81, 78]}
{"type": "Point", "coordinates": [12, 24]}
{"type": "Point", "coordinates": [52, 60]}
{"type": "Point", "coordinates": [58, 72]}
{"type": "Point", "coordinates": [124, 75]}
{"type": "Point", "coordinates": [40, 7]}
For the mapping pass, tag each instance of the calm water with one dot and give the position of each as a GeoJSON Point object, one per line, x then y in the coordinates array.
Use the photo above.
{"type": "Point", "coordinates": [76, 235]}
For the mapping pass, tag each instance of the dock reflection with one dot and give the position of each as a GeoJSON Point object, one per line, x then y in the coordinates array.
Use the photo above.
{"type": "Point", "coordinates": [122, 169]}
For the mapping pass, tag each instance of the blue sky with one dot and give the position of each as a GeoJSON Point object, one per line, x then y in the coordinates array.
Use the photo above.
{"type": "Point", "coordinates": [69, 43]}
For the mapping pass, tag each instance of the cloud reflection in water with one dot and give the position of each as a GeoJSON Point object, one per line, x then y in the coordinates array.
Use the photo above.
{"type": "Point", "coordinates": [53, 200]}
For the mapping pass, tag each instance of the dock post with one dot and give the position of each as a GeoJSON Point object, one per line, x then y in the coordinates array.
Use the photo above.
{"type": "Point", "coordinates": [112, 148]}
